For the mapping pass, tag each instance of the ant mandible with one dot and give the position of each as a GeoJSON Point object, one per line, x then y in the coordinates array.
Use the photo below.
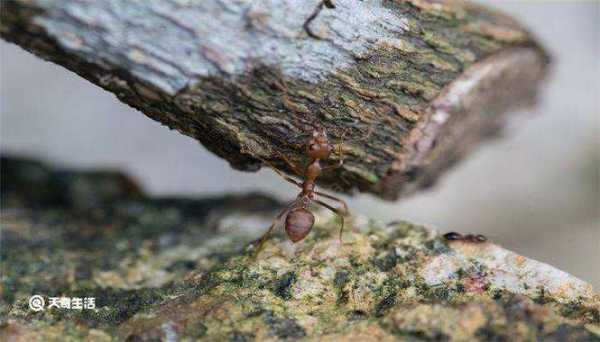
{"type": "Point", "coordinates": [300, 220]}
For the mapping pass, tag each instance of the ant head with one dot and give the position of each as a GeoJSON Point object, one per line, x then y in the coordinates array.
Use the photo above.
{"type": "Point", "coordinates": [318, 147]}
{"type": "Point", "coordinates": [320, 136]}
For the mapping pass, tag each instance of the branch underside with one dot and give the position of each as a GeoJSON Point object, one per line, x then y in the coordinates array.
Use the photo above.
{"type": "Point", "coordinates": [417, 85]}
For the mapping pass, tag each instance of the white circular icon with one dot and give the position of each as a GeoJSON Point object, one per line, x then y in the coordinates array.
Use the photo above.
{"type": "Point", "coordinates": [36, 303]}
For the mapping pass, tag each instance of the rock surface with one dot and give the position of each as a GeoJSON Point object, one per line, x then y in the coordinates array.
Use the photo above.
{"type": "Point", "coordinates": [179, 269]}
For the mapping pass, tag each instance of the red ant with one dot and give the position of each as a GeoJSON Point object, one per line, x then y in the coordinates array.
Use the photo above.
{"type": "Point", "coordinates": [300, 219]}
{"type": "Point", "coordinates": [472, 238]}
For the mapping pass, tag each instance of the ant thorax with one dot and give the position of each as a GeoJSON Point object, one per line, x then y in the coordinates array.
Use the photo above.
{"type": "Point", "coordinates": [313, 170]}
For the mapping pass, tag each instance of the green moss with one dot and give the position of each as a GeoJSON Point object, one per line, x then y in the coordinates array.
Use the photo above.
{"type": "Point", "coordinates": [384, 305]}
{"type": "Point", "coordinates": [386, 262]}
{"type": "Point", "coordinates": [492, 333]}
{"type": "Point", "coordinates": [578, 310]}
{"type": "Point", "coordinates": [282, 287]}
{"type": "Point", "coordinates": [282, 327]}
{"type": "Point", "coordinates": [238, 336]}
{"type": "Point", "coordinates": [440, 292]}
{"type": "Point", "coordinates": [341, 279]}
{"type": "Point", "coordinates": [437, 246]}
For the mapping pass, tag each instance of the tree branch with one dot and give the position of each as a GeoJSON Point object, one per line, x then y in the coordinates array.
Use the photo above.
{"type": "Point", "coordinates": [417, 84]}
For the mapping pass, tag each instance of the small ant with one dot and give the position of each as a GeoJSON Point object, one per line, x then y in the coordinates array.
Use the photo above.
{"type": "Point", "coordinates": [471, 238]}
{"type": "Point", "coordinates": [300, 219]}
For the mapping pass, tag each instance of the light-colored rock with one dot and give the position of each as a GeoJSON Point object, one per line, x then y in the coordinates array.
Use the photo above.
{"type": "Point", "coordinates": [180, 269]}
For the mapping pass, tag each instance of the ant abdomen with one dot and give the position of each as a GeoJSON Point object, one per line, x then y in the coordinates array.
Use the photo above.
{"type": "Point", "coordinates": [298, 224]}
{"type": "Point", "coordinates": [453, 236]}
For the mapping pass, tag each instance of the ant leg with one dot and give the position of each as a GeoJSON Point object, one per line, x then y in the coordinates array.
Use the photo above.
{"type": "Point", "coordinates": [340, 153]}
{"type": "Point", "coordinates": [291, 165]}
{"type": "Point", "coordinates": [273, 167]}
{"type": "Point", "coordinates": [279, 172]}
{"type": "Point", "coordinates": [264, 237]}
{"type": "Point", "coordinates": [335, 211]}
{"type": "Point", "coordinates": [339, 200]}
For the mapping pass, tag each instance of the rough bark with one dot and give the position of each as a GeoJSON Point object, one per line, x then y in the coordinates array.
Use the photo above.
{"type": "Point", "coordinates": [177, 269]}
{"type": "Point", "coordinates": [416, 83]}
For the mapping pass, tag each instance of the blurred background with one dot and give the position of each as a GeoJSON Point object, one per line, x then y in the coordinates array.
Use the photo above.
{"type": "Point", "coordinates": [535, 191]}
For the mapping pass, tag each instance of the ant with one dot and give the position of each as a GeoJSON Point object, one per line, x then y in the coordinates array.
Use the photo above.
{"type": "Point", "coordinates": [300, 220]}
{"type": "Point", "coordinates": [471, 238]}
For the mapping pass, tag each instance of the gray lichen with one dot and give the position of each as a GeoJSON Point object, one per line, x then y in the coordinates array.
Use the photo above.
{"type": "Point", "coordinates": [170, 43]}
{"type": "Point", "coordinates": [245, 79]}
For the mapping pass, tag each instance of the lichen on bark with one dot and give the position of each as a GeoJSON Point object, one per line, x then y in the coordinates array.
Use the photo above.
{"type": "Point", "coordinates": [245, 79]}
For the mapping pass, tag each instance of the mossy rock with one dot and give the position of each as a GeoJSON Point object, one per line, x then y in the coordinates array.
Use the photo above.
{"type": "Point", "coordinates": [175, 269]}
